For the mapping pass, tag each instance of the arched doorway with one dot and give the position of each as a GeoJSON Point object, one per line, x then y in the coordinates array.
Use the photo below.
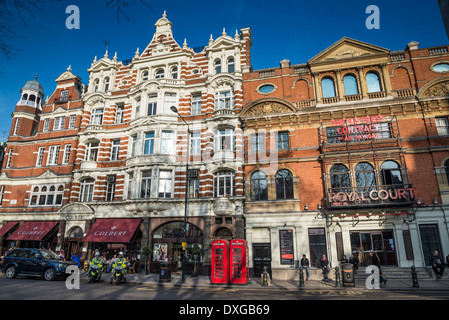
{"type": "Point", "coordinates": [73, 243]}
{"type": "Point", "coordinates": [223, 233]}
{"type": "Point", "coordinates": [167, 246]}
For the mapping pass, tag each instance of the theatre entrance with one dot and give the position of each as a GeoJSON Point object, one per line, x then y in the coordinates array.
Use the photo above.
{"type": "Point", "coordinates": [380, 241]}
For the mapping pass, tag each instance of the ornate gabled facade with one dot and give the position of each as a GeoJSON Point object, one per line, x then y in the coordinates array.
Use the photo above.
{"type": "Point", "coordinates": [131, 161]}
{"type": "Point", "coordinates": [346, 154]}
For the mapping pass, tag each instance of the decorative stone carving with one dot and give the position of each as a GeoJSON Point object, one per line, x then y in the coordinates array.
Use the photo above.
{"type": "Point", "coordinates": [268, 108]}
{"type": "Point", "coordinates": [223, 206]}
{"type": "Point", "coordinates": [439, 89]}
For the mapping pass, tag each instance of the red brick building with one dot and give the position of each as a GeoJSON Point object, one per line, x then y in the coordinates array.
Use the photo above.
{"type": "Point", "coordinates": [345, 154]}
{"type": "Point", "coordinates": [39, 159]}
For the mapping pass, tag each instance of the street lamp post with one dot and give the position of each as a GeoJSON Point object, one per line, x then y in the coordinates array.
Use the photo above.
{"type": "Point", "coordinates": [183, 257]}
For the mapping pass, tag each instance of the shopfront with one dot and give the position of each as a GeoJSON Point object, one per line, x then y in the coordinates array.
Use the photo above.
{"type": "Point", "coordinates": [35, 234]}
{"type": "Point", "coordinates": [111, 236]}
{"type": "Point", "coordinates": [167, 247]}
{"type": "Point", "coordinates": [381, 242]}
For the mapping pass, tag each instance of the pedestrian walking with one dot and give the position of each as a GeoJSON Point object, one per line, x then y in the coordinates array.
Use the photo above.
{"type": "Point", "coordinates": [437, 264]}
{"type": "Point", "coordinates": [76, 258]}
{"type": "Point", "coordinates": [324, 264]}
{"type": "Point", "coordinates": [305, 264]}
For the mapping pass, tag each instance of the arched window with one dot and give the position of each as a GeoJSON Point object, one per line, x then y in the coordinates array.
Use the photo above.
{"type": "Point", "coordinates": [217, 66]}
{"type": "Point", "coordinates": [340, 178]}
{"type": "Point", "coordinates": [391, 173]}
{"type": "Point", "coordinates": [145, 75]}
{"type": "Point", "coordinates": [350, 83]}
{"type": "Point", "coordinates": [46, 195]}
{"type": "Point", "coordinates": [160, 74]}
{"type": "Point", "coordinates": [87, 190]}
{"type": "Point", "coordinates": [364, 176]}
{"type": "Point", "coordinates": [259, 186]}
{"type": "Point", "coordinates": [106, 84]}
{"type": "Point", "coordinates": [224, 182]}
{"type": "Point", "coordinates": [373, 82]}
{"type": "Point", "coordinates": [231, 66]}
{"type": "Point", "coordinates": [328, 87]}
{"type": "Point", "coordinates": [284, 184]}
{"type": "Point", "coordinates": [175, 230]}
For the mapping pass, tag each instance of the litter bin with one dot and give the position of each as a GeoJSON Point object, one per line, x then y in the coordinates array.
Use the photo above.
{"type": "Point", "coordinates": [347, 275]}
{"type": "Point", "coordinates": [164, 273]}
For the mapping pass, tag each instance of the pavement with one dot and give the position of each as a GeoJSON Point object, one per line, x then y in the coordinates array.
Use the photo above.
{"type": "Point", "coordinates": [256, 283]}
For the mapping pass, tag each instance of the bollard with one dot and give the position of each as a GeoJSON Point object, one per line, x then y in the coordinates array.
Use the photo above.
{"type": "Point", "coordinates": [337, 277]}
{"type": "Point", "coordinates": [414, 277]}
{"type": "Point", "coordinates": [265, 276]}
{"type": "Point", "coordinates": [301, 276]}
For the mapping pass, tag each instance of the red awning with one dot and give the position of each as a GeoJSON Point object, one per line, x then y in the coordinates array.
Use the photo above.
{"type": "Point", "coordinates": [33, 230]}
{"type": "Point", "coordinates": [6, 227]}
{"type": "Point", "coordinates": [112, 230]}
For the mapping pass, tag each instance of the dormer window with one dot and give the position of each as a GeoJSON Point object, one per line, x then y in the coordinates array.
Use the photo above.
{"type": "Point", "coordinates": [64, 95]}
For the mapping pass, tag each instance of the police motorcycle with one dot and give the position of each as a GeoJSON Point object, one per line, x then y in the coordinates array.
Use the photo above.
{"type": "Point", "coordinates": [119, 270]}
{"type": "Point", "coordinates": [95, 268]}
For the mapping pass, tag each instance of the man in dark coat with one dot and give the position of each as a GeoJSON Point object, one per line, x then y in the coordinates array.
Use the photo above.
{"type": "Point", "coordinates": [375, 261]}
{"type": "Point", "coordinates": [324, 264]}
{"type": "Point", "coordinates": [437, 264]}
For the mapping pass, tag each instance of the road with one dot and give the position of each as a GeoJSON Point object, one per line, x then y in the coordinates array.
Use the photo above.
{"type": "Point", "coordinates": [176, 300]}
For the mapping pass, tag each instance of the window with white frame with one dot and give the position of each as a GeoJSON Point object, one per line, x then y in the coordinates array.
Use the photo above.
{"type": "Point", "coordinates": [66, 157]}
{"type": "Point", "coordinates": [106, 84]}
{"type": "Point", "coordinates": [134, 141]}
{"type": "Point", "coordinates": [442, 126]}
{"type": "Point", "coordinates": [115, 149]}
{"type": "Point", "coordinates": [145, 187]}
{"type": "Point", "coordinates": [145, 75]}
{"type": "Point", "coordinates": [64, 95]}
{"type": "Point", "coordinates": [231, 65]}
{"type": "Point", "coordinates": [159, 74]}
{"type": "Point", "coordinates": [148, 144]}
{"type": "Point", "coordinates": [167, 142]}
{"type": "Point", "coordinates": [16, 127]}
{"type": "Point", "coordinates": [110, 187]}
{"type": "Point", "coordinates": [224, 182]}
{"type": "Point", "coordinates": [196, 103]}
{"type": "Point", "coordinates": [258, 141]}
{"type": "Point", "coordinates": [195, 143]}
{"type": "Point", "coordinates": [170, 99]}
{"type": "Point", "coordinates": [59, 123]}
{"type": "Point", "coordinates": [224, 140]}
{"type": "Point", "coordinates": [92, 151]}
{"type": "Point", "coordinates": [46, 125]}
{"type": "Point", "coordinates": [8, 162]}
{"type": "Point", "coordinates": [97, 116]}
{"type": "Point", "coordinates": [217, 66]}
{"type": "Point", "coordinates": [53, 155]}
{"type": "Point", "coordinates": [96, 85]}
{"type": "Point", "coordinates": [174, 72]}
{"type": "Point", "coordinates": [224, 99]}
{"type": "Point", "coordinates": [131, 185]}
{"type": "Point", "coordinates": [46, 195]}
{"type": "Point", "coordinates": [152, 104]}
{"type": "Point", "coordinates": [72, 121]}
{"type": "Point", "coordinates": [2, 194]}
{"type": "Point", "coordinates": [165, 183]}
{"type": "Point", "coordinates": [119, 114]}
{"type": "Point", "coordinates": [40, 156]}
{"type": "Point", "coordinates": [87, 190]}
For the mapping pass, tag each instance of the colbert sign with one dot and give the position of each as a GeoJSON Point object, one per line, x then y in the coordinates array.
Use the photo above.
{"type": "Point", "coordinates": [379, 195]}
{"type": "Point", "coordinates": [112, 230]}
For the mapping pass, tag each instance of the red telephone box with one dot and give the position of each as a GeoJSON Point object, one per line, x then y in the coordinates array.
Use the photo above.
{"type": "Point", "coordinates": [239, 268]}
{"type": "Point", "coordinates": [220, 262]}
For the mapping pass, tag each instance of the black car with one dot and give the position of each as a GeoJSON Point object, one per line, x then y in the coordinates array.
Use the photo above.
{"type": "Point", "coordinates": [34, 262]}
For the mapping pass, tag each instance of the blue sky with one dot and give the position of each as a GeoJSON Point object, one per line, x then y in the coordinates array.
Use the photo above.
{"type": "Point", "coordinates": [296, 30]}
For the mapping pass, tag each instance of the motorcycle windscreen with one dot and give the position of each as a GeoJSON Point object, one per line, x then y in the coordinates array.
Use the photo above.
{"type": "Point", "coordinates": [112, 230]}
